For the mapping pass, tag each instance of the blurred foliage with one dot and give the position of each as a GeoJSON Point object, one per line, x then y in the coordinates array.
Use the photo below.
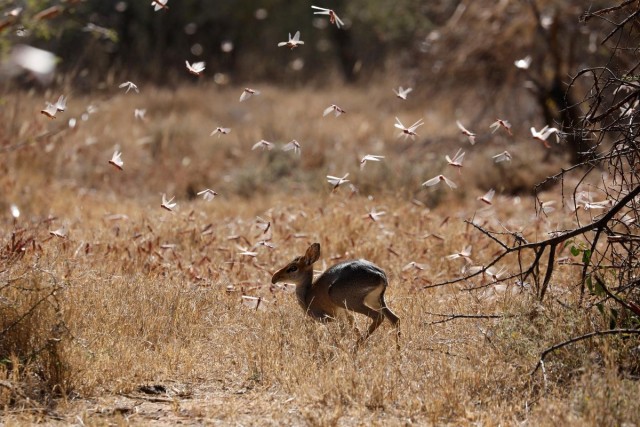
{"type": "Point", "coordinates": [447, 46]}
{"type": "Point", "coordinates": [391, 22]}
{"type": "Point", "coordinates": [472, 40]}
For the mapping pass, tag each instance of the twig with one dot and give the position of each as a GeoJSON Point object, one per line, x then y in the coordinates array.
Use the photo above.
{"type": "Point", "coordinates": [487, 233]}
{"type": "Point", "coordinates": [28, 312]}
{"type": "Point", "coordinates": [539, 247]}
{"type": "Point", "coordinates": [581, 338]}
{"type": "Point", "coordinates": [453, 316]}
{"type": "Point", "coordinates": [615, 107]}
{"type": "Point", "coordinates": [148, 398]}
{"type": "Point", "coordinates": [620, 26]}
{"type": "Point", "coordinates": [628, 305]}
{"type": "Point", "coordinates": [599, 13]}
{"type": "Point", "coordinates": [34, 141]}
{"type": "Point", "coordinates": [547, 276]}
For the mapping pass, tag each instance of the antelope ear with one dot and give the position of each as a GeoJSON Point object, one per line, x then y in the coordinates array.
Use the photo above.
{"type": "Point", "coordinates": [312, 254]}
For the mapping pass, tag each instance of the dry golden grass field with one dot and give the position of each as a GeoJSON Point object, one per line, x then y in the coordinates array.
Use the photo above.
{"type": "Point", "coordinates": [115, 311]}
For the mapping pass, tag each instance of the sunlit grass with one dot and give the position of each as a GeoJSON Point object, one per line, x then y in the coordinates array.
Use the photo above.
{"type": "Point", "coordinates": [135, 295]}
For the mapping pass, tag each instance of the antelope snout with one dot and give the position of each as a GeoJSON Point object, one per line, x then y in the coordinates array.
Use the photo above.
{"type": "Point", "coordinates": [275, 278]}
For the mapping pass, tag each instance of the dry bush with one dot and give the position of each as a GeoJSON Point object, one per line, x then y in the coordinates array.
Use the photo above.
{"type": "Point", "coordinates": [34, 363]}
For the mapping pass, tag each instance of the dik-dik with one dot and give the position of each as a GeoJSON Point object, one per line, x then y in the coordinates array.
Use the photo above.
{"type": "Point", "coordinates": [356, 285]}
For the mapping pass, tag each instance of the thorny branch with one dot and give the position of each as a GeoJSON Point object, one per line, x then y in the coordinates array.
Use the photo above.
{"type": "Point", "coordinates": [540, 247]}
{"type": "Point", "coordinates": [599, 13]}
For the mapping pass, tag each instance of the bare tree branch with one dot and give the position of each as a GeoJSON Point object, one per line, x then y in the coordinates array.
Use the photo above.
{"type": "Point", "coordinates": [588, 15]}
{"type": "Point", "coordinates": [540, 247]}
{"type": "Point", "coordinates": [581, 338]}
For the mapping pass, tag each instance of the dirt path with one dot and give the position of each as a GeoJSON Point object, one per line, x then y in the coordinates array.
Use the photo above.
{"type": "Point", "coordinates": [168, 405]}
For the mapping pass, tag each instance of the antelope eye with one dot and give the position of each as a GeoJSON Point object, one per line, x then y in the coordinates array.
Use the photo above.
{"type": "Point", "coordinates": [292, 269]}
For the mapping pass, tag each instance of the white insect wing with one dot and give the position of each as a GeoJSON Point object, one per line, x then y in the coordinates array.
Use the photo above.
{"type": "Point", "coordinates": [293, 145]}
{"type": "Point", "coordinates": [207, 194]}
{"type": "Point", "coordinates": [167, 204]}
{"type": "Point", "coordinates": [457, 158]}
{"type": "Point", "coordinates": [450, 183]}
{"type": "Point", "coordinates": [248, 93]}
{"type": "Point", "coordinates": [488, 197]}
{"type": "Point", "coordinates": [116, 160]}
{"type": "Point", "coordinates": [129, 86]}
{"type": "Point", "coordinates": [399, 124]}
{"type": "Point", "coordinates": [505, 156]}
{"type": "Point", "coordinates": [416, 125]}
{"type": "Point", "coordinates": [431, 182]}
{"type": "Point", "coordinates": [159, 4]}
{"type": "Point", "coordinates": [402, 93]}
{"type": "Point", "coordinates": [61, 104]}
{"type": "Point", "coordinates": [334, 180]}
{"type": "Point", "coordinates": [321, 10]}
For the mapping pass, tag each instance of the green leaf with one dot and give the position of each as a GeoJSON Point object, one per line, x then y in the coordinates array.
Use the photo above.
{"type": "Point", "coordinates": [575, 251]}
{"type": "Point", "coordinates": [593, 290]}
{"type": "Point", "coordinates": [600, 286]}
{"type": "Point", "coordinates": [598, 289]}
{"type": "Point", "coordinates": [586, 256]}
{"type": "Point", "coordinates": [614, 318]}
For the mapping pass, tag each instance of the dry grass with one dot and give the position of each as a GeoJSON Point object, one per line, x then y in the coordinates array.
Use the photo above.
{"type": "Point", "coordinates": [152, 298]}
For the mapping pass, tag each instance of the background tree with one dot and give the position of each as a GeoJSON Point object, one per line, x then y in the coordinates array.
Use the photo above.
{"type": "Point", "coordinates": [607, 245]}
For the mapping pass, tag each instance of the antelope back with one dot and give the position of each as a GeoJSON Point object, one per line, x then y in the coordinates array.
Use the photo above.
{"type": "Point", "coordinates": [354, 283]}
